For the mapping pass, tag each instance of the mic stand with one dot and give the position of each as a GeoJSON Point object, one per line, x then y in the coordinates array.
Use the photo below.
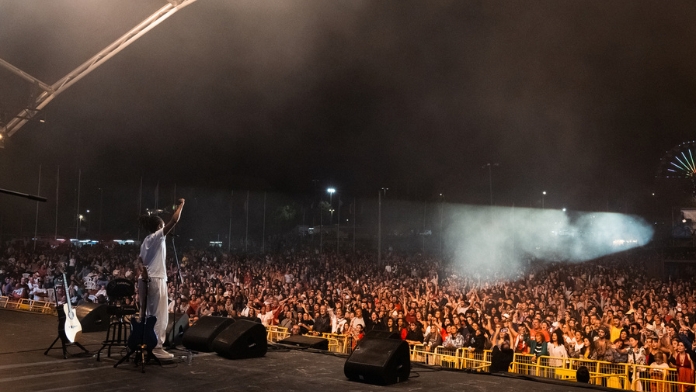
{"type": "Point", "coordinates": [179, 278]}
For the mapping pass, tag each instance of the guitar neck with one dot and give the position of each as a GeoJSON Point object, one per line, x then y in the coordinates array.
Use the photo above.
{"type": "Point", "coordinates": [67, 293]}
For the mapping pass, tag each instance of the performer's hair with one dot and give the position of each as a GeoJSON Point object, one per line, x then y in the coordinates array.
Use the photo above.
{"type": "Point", "coordinates": [150, 222]}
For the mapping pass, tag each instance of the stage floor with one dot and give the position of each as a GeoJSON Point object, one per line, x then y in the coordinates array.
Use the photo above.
{"type": "Point", "coordinates": [23, 367]}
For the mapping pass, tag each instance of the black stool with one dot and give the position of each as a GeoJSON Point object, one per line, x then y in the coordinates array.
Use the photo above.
{"type": "Point", "coordinates": [118, 291]}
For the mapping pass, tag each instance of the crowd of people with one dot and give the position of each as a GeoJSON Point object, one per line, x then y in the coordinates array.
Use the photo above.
{"type": "Point", "coordinates": [607, 309]}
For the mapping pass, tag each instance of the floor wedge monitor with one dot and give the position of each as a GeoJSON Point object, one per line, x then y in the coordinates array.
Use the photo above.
{"type": "Point", "coordinates": [379, 361]}
{"type": "Point", "coordinates": [306, 341]}
{"type": "Point", "coordinates": [242, 339]}
{"type": "Point", "coordinates": [200, 336]}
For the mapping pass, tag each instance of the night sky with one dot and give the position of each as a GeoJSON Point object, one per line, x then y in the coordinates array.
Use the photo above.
{"type": "Point", "coordinates": [577, 98]}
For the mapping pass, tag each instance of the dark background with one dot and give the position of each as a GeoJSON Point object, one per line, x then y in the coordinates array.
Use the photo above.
{"type": "Point", "coordinates": [580, 99]}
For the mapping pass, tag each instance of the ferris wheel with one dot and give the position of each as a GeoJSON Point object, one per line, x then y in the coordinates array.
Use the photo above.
{"type": "Point", "coordinates": [680, 162]}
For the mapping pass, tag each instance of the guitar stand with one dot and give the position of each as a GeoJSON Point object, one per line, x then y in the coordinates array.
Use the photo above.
{"type": "Point", "coordinates": [65, 347]}
{"type": "Point", "coordinates": [64, 339]}
{"type": "Point", "coordinates": [141, 356]}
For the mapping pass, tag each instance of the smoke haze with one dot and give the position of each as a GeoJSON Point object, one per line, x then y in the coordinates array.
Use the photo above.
{"type": "Point", "coordinates": [499, 240]}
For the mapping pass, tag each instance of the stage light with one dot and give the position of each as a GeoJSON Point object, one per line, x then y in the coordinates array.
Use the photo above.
{"type": "Point", "coordinates": [331, 190]}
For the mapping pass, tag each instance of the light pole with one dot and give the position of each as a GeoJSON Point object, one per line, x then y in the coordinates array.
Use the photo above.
{"type": "Point", "coordinates": [101, 209]}
{"type": "Point", "coordinates": [655, 209]}
{"type": "Point", "coordinates": [379, 228]}
{"type": "Point", "coordinates": [490, 177]}
{"type": "Point", "coordinates": [442, 204]}
{"type": "Point", "coordinates": [331, 192]}
{"type": "Point", "coordinates": [338, 226]}
{"type": "Point", "coordinates": [543, 195]}
{"type": "Point", "coordinates": [379, 224]}
{"type": "Point", "coordinates": [80, 218]}
{"type": "Point", "coordinates": [77, 207]}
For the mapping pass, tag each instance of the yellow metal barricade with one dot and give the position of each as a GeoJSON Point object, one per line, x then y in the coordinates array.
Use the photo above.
{"type": "Point", "coordinates": [418, 353]}
{"type": "Point", "coordinates": [25, 304]}
{"type": "Point", "coordinates": [334, 345]}
{"type": "Point", "coordinates": [41, 307]}
{"type": "Point", "coordinates": [275, 333]}
{"type": "Point", "coordinates": [475, 360]}
{"type": "Point", "coordinates": [523, 364]}
{"type": "Point", "coordinates": [659, 380]}
{"type": "Point", "coordinates": [28, 305]}
{"type": "Point", "coordinates": [49, 308]}
{"type": "Point", "coordinates": [575, 363]}
{"type": "Point", "coordinates": [448, 357]}
{"type": "Point", "coordinates": [547, 366]}
{"type": "Point", "coordinates": [565, 374]}
{"type": "Point", "coordinates": [337, 342]}
{"type": "Point", "coordinates": [607, 374]}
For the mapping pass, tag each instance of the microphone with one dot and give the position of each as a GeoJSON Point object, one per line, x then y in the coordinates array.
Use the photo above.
{"type": "Point", "coordinates": [154, 212]}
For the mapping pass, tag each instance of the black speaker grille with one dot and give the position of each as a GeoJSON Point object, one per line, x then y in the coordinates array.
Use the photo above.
{"type": "Point", "coordinates": [379, 361]}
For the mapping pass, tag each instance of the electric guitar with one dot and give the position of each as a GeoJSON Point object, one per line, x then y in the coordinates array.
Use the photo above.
{"type": "Point", "coordinates": [143, 337]}
{"type": "Point", "coordinates": [72, 324]}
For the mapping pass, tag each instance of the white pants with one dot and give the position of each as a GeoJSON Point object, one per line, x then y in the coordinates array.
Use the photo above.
{"type": "Point", "coordinates": [156, 305]}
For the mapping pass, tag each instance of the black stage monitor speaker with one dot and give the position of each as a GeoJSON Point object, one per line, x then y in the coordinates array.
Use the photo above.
{"type": "Point", "coordinates": [93, 317]}
{"type": "Point", "coordinates": [306, 341]}
{"type": "Point", "coordinates": [182, 324]}
{"type": "Point", "coordinates": [243, 339]}
{"type": "Point", "coordinates": [375, 334]}
{"type": "Point", "coordinates": [200, 336]}
{"type": "Point", "coordinates": [379, 361]}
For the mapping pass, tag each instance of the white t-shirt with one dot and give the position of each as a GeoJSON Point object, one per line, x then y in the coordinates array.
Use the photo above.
{"type": "Point", "coordinates": [38, 293]}
{"type": "Point", "coordinates": [659, 368]}
{"type": "Point", "coordinates": [355, 321]}
{"type": "Point", "coordinates": [558, 351]}
{"type": "Point", "coordinates": [154, 253]}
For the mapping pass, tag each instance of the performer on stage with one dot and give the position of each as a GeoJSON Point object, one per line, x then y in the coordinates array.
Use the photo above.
{"type": "Point", "coordinates": [153, 253]}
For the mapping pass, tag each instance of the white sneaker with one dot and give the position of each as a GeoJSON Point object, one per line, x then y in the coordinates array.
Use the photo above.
{"type": "Point", "coordinates": [161, 354]}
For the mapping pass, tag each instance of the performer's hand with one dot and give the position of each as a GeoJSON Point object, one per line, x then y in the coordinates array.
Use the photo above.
{"type": "Point", "coordinates": [181, 202]}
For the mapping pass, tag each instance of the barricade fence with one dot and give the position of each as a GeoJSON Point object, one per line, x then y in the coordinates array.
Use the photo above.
{"type": "Point", "coordinates": [28, 305]}
{"type": "Point", "coordinates": [624, 376]}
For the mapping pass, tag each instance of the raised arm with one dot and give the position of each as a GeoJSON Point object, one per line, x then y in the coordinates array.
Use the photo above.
{"type": "Point", "coordinates": [175, 218]}
{"type": "Point", "coordinates": [494, 340]}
